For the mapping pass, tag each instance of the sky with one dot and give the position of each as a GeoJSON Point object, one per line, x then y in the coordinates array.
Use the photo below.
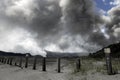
{"type": "Point", "coordinates": [104, 4]}
{"type": "Point", "coordinates": [33, 26]}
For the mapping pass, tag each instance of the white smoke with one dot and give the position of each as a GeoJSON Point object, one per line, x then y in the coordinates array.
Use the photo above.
{"type": "Point", "coordinates": [19, 40]}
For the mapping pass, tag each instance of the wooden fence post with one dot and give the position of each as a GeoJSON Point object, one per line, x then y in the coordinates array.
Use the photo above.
{"type": "Point", "coordinates": [26, 61]}
{"type": "Point", "coordinates": [20, 62]}
{"type": "Point", "coordinates": [78, 64]}
{"type": "Point", "coordinates": [15, 63]}
{"type": "Point", "coordinates": [2, 59]}
{"type": "Point", "coordinates": [5, 60]}
{"type": "Point", "coordinates": [107, 52]}
{"type": "Point", "coordinates": [8, 60]}
{"type": "Point", "coordinates": [11, 59]}
{"type": "Point", "coordinates": [59, 68]}
{"type": "Point", "coordinates": [34, 64]}
{"type": "Point", "coordinates": [44, 64]}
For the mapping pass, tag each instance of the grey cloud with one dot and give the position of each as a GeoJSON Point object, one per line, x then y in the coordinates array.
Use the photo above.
{"type": "Point", "coordinates": [51, 20]}
{"type": "Point", "coordinates": [80, 17]}
{"type": "Point", "coordinates": [113, 26]}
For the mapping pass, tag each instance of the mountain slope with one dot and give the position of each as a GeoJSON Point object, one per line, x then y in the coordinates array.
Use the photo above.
{"type": "Point", "coordinates": [115, 51]}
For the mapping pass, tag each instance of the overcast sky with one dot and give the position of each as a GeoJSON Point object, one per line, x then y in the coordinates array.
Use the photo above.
{"type": "Point", "coordinates": [58, 25]}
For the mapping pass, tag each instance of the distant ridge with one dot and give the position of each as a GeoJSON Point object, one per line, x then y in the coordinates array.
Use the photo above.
{"type": "Point", "coordinates": [2, 53]}
{"type": "Point", "coordinates": [50, 54]}
{"type": "Point", "coordinates": [64, 54]}
{"type": "Point", "coordinates": [115, 51]}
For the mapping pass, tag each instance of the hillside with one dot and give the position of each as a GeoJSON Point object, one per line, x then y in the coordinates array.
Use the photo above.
{"type": "Point", "coordinates": [65, 54]}
{"type": "Point", "coordinates": [3, 53]}
{"type": "Point", "coordinates": [115, 51]}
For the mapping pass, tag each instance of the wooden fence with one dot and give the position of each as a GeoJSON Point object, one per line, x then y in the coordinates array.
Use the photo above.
{"type": "Point", "coordinates": [23, 62]}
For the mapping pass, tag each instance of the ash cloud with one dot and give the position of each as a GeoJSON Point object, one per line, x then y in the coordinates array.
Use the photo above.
{"type": "Point", "coordinates": [56, 25]}
{"type": "Point", "coordinates": [36, 15]}
{"type": "Point", "coordinates": [80, 17]}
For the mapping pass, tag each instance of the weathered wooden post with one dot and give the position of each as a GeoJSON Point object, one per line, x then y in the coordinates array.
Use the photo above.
{"type": "Point", "coordinates": [2, 59]}
{"type": "Point", "coordinates": [78, 64]}
{"type": "Point", "coordinates": [44, 64]}
{"type": "Point", "coordinates": [5, 60]}
{"type": "Point", "coordinates": [26, 60]}
{"type": "Point", "coordinates": [34, 64]}
{"type": "Point", "coordinates": [11, 60]}
{"type": "Point", "coordinates": [15, 63]}
{"type": "Point", "coordinates": [20, 62]}
{"type": "Point", "coordinates": [59, 68]}
{"type": "Point", "coordinates": [8, 60]}
{"type": "Point", "coordinates": [107, 52]}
